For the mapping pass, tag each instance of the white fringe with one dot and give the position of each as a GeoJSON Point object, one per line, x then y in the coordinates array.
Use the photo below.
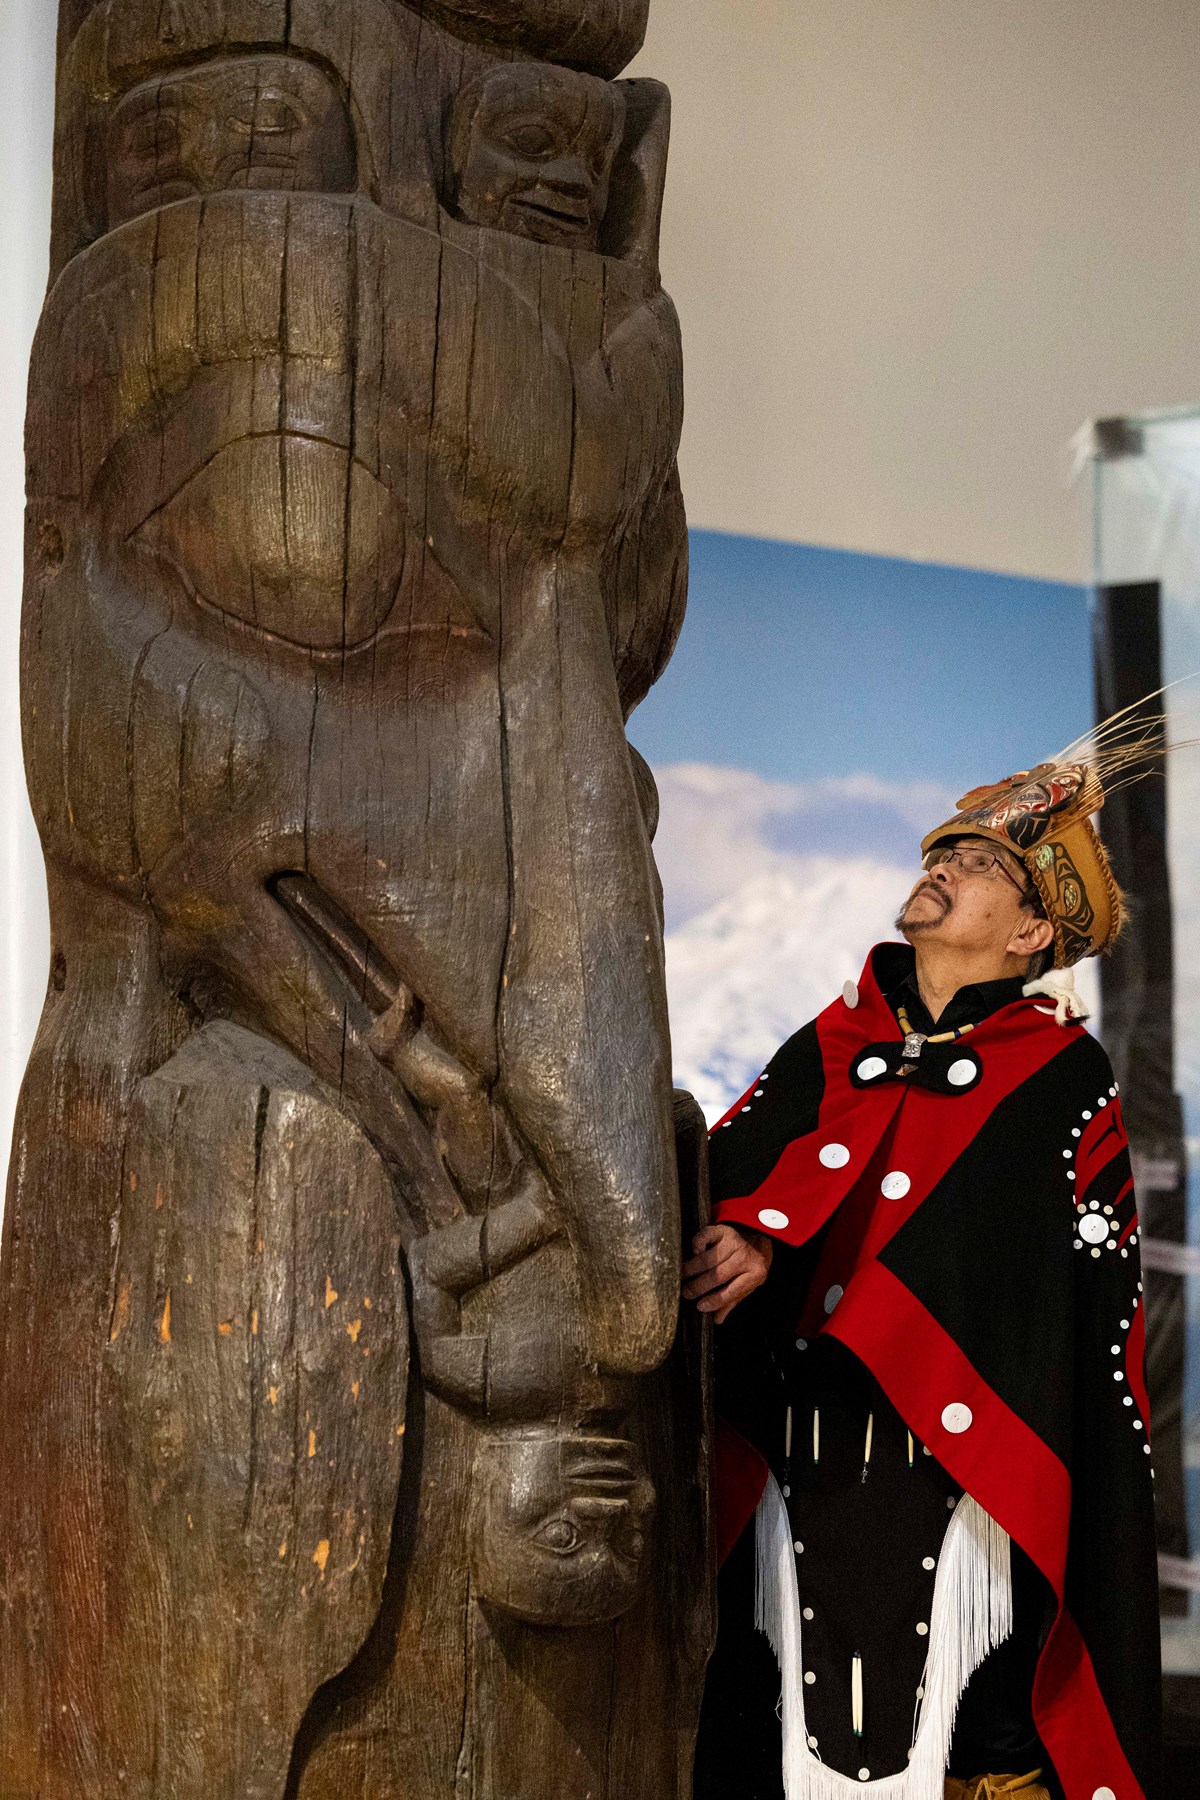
{"type": "Point", "coordinates": [1058, 985]}
{"type": "Point", "coordinates": [971, 1614]}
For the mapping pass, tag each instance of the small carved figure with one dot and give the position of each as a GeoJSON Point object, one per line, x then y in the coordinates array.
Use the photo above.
{"type": "Point", "coordinates": [532, 150]}
{"type": "Point", "coordinates": [559, 1525]}
{"type": "Point", "coordinates": [246, 122]}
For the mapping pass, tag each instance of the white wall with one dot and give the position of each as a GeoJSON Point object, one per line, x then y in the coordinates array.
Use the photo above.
{"type": "Point", "coordinates": [26, 127]}
{"type": "Point", "coordinates": [915, 243]}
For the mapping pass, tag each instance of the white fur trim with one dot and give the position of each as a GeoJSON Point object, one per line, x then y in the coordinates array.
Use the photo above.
{"type": "Point", "coordinates": [971, 1613]}
{"type": "Point", "coordinates": [1058, 985]}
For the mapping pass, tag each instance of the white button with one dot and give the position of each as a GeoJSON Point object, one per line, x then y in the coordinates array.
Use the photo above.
{"type": "Point", "coordinates": [1104, 1794]}
{"type": "Point", "coordinates": [928, 1563]}
{"type": "Point", "coordinates": [802, 1343]}
{"type": "Point", "coordinates": [833, 1296]}
{"type": "Point", "coordinates": [895, 1185]}
{"type": "Point", "coordinates": [812, 1743]}
{"type": "Point", "coordinates": [1117, 1375]}
{"type": "Point", "coordinates": [870, 1067]}
{"type": "Point", "coordinates": [1094, 1229]}
{"type": "Point", "coordinates": [922, 1629]}
{"type": "Point", "coordinates": [864, 1774]}
{"type": "Point", "coordinates": [850, 994]}
{"type": "Point", "coordinates": [958, 1418]}
{"type": "Point", "coordinates": [798, 1547]}
{"type": "Point", "coordinates": [1128, 1401]}
{"type": "Point", "coordinates": [774, 1221]}
{"type": "Point", "coordinates": [834, 1156]}
{"type": "Point", "coordinates": [808, 1612]}
{"type": "Point", "coordinates": [809, 1678]}
{"type": "Point", "coordinates": [960, 1072]}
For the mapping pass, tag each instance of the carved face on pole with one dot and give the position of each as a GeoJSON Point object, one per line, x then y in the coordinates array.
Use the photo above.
{"type": "Point", "coordinates": [243, 122]}
{"type": "Point", "coordinates": [561, 1525]}
{"type": "Point", "coordinates": [533, 148]}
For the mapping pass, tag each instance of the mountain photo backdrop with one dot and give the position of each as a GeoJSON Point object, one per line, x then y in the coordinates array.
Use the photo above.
{"type": "Point", "coordinates": [822, 712]}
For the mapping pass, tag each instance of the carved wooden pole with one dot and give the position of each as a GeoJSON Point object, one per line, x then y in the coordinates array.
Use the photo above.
{"type": "Point", "coordinates": [345, 1452]}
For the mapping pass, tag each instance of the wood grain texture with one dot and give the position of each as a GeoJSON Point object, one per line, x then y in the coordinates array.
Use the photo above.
{"type": "Point", "coordinates": [353, 1448]}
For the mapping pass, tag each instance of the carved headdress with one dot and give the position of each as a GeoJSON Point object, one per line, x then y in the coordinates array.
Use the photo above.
{"type": "Point", "coordinates": [1045, 816]}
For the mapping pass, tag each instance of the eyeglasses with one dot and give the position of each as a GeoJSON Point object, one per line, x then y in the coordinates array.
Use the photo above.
{"type": "Point", "coordinates": [973, 861]}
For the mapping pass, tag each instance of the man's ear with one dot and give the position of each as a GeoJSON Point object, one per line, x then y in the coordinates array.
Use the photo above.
{"type": "Point", "coordinates": [1031, 936]}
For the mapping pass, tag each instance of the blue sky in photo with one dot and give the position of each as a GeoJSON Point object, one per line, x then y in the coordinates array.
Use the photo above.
{"type": "Point", "coordinates": [798, 662]}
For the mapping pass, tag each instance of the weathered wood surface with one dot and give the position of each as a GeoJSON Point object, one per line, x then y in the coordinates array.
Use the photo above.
{"type": "Point", "coordinates": [347, 1454]}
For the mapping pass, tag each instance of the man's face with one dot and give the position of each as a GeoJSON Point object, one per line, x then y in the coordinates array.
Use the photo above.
{"type": "Point", "coordinates": [976, 912]}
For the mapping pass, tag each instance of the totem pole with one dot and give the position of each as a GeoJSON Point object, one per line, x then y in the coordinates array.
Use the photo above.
{"type": "Point", "coordinates": [347, 1455]}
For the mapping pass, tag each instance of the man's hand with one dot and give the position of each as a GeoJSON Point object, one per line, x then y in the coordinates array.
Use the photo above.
{"type": "Point", "coordinates": [726, 1265]}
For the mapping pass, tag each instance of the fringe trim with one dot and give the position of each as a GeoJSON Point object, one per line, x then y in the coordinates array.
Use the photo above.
{"type": "Point", "coordinates": [971, 1615]}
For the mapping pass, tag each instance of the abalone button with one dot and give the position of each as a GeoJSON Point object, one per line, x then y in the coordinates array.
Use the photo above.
{"type": "Point", "coordinates": [850, 994]}
{"type": "Point", "coordinates": [957, 1418]}
{"type": "Point", "coordinates": [870, 1067]}
{"type": "Point", "coordinates": [774, 1221]}
{"type": "Point", "coordinates": [833, 1156]}
{"type": "Point", "coordinates": [1093, 1229]}
{"type": "Point", "coordinates": [895, 1185]}
{"type": "Point", "coordinates": [833, 1296]}
{"type": "Point", "coordinates": [960, 1072]}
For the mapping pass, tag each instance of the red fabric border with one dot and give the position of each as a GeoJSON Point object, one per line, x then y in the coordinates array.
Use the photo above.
{"type": "Point", "coordinates": [931, 1130]}
{"type": "Point", "coordinates": [739, 1480]}
{"type": "Point", "coordinates": [1016, 1478]}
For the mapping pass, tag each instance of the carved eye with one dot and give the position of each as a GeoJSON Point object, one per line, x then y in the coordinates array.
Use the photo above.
{"type": "Point", "coordinates": [558, 1535]}
{"type": "Point", "coordinates": [632, 1544]}
{"type": "Point", "coordinates": [272, 115]}
{"type": "Point", "coordinates": [531, 139]}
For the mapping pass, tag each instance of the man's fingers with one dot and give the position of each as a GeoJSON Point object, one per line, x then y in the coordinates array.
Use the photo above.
{"type": "Point", "coordinates": [714, 1258]}
{"type": "Point", "coordinates": [730, 1296]}
{"type": "Point", "coordinates": [709, 1235]}
{"type": "Point", "coordinates": [707, 1279]}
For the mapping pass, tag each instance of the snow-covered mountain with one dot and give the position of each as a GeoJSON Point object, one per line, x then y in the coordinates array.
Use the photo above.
{"type": "Point", "coordinates": [747, 972]}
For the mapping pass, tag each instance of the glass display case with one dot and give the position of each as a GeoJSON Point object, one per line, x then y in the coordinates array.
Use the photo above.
{"type": "Point", "coordinates": [1144, 475]}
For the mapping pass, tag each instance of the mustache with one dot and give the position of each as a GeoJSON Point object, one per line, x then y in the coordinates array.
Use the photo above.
{"type": "Point", "coordinates": [926, 887]}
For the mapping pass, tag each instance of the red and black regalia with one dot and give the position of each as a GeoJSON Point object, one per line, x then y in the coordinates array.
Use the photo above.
{"type": "Point", "coordinates": [935, 1483]}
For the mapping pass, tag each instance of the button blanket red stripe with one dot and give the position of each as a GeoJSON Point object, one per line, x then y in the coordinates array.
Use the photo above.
{"type": "Point", "coordinates": [932, 1130]}
{"type": "Point", "coordinates": [1017, 1479]}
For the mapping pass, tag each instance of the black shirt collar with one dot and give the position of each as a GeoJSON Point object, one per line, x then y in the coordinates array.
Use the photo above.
{"type": "Point", "coordinates": [896, 973]}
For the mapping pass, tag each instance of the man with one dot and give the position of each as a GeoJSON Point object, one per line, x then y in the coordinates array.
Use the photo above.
{"type": "Point", "coordinates": [934, 1406]}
